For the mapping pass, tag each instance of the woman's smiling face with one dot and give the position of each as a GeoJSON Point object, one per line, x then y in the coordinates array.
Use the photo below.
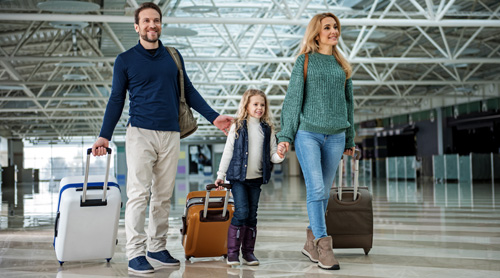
{"type": "Point", "coordinates": [329, 34]}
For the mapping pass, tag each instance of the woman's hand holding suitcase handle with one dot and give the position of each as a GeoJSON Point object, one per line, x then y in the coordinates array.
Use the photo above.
{"type": "Point", "coordinates": [350, 151]}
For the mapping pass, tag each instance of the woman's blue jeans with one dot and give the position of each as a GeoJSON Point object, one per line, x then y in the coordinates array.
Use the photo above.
{"type": "Point", "coordinates": [319, 156]}
{"type": "Point", "coordinates": [246, 196]}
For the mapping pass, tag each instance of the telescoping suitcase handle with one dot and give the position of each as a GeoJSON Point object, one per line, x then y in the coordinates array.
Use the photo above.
{"type": "Point", "coordinates": [207, 198]}
{"type": "Point", "coordinates": [86, 180]}
{"type": "Point", "coordinates": [356, 156]}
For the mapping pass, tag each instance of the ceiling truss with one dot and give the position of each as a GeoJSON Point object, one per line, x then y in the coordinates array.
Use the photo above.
{"type": "Point", "coordinates": [407, 56]}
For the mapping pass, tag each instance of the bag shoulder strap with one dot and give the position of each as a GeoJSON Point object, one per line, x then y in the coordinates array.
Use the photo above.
{"type": "Point", "coordinates": [175, 55]}
{"type": "Point", "coordinates": [306, 61]}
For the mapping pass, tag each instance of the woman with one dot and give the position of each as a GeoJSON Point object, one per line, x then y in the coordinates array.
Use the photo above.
{"type": "Point", "coordinates": [317, 115]}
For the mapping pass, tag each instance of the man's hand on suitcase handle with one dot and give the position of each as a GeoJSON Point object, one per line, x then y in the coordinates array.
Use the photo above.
{"type": "Point", "coordinates": [99, 147]}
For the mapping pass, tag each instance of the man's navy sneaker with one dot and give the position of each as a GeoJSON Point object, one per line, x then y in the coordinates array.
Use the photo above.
{"type": "Point", "coordinates": [163, 257]}
{"type": "Point", "coordinates": [140, 265]}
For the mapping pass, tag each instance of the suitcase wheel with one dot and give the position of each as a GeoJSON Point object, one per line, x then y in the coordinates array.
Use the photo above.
{"type": "Point", "coordinates": [188, 257]}
{"type": "Point", "coordinates": [367, 250]}
{"type": "Point", "coordinates": [225, 256]}
{"type": "Point", "coordinates": [61, 263]}
{"type": "Point", "coordinates": [108, 260]}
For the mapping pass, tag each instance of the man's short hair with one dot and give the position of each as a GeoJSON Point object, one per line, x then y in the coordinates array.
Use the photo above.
{"type": "Point", "coordinates": [143, 6]}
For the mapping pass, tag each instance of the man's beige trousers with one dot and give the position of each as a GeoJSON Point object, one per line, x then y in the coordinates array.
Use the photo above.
{"type": "Point", "coordinates": [152, 158]}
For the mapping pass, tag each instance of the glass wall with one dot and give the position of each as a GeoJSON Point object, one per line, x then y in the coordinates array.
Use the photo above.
{"type": "Point", "coordinates": [56, 161]}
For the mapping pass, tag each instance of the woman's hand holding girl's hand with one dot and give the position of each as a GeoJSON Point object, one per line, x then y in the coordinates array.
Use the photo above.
{"type": "Point", "coordinates": [280, 151]}
{"type": "Point", "coordinates": [283, 149]}
{"type": "Point", "coordinates": [218, 182]}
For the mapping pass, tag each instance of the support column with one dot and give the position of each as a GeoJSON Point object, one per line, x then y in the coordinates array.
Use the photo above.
{"type": "Point", "coordinates": [4, 152]}
{"type": "Point", "coordinates": [439, 121]}
{"type": "Point", "coordinates": [16, 153]}
{"type": "Point", "coordinates": [121, 163]}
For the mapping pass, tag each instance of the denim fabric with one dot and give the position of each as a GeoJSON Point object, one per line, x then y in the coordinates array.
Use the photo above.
{"type": "Point", "coordinates": [246, 196]}
{"type": "Point", "coordinates": [319, 156]}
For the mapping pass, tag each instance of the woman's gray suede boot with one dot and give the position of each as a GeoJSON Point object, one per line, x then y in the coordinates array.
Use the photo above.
{"type": "Point", "coordinates": [326, 258]}
{"type": "Point", "coordinates": [310, 249]}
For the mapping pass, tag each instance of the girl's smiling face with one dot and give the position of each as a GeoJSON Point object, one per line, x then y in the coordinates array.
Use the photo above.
{"type": "Point", "coordinates": [256, 106]}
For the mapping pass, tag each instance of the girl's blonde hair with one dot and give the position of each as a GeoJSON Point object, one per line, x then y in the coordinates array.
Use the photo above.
{"type": "Point", "coordinates": [243, 113]}
{"type": "Point", "coordinates": [310, 42]}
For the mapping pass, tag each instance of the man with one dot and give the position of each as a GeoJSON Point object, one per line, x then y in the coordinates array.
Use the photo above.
{"type": "Point", "coordinates": [152, 141]}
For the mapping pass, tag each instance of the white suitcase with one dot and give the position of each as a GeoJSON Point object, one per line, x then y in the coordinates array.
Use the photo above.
{"type": "Point", "coordinates": [87, 216]}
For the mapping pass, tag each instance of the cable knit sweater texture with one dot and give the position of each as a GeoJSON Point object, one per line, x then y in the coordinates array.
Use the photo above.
{"type": "Point", "coordinates": [325, 107]}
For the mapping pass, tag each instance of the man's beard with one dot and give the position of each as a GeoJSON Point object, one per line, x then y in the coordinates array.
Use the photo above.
{"type": "Point", "coordinates": [145, 37]}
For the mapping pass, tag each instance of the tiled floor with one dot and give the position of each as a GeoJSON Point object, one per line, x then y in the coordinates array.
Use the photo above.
{"type": "Point", "coordinates": [424, 230]}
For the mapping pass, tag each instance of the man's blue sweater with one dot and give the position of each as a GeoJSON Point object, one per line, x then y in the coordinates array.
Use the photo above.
{"type": "Point", "coordinates": [153, 92]}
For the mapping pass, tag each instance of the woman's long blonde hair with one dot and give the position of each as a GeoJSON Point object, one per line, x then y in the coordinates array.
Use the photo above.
{"type": "Point", "coordinates": [310, 42]}
{"type": "Point", "coordinates": [243, 113]}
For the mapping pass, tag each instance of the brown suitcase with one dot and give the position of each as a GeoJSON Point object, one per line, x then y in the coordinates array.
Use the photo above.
{"type": "Point", "coordinates": [205, 222]}
{"type": "Point", "coordinates": [349, 214]}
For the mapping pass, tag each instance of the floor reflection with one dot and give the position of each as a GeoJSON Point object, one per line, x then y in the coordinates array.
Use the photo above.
{"type": "Point", "coordinates": [422, 229]}
{"type": "Point", "coordinates": [403, 191]}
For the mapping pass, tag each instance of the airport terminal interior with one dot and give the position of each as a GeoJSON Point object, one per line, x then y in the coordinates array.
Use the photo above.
{"type": "Point", "coordinates": [426, 114]}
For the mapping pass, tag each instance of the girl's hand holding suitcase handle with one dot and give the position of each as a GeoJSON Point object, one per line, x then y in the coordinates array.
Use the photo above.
{"type": "Point", "coordinates": [219, 184]}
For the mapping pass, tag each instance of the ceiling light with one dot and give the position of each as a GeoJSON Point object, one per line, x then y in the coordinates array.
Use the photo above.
{"type": "Point", "coordinates": [368, 45]}
{"type": "Point", "coordinates": [177, 45]}
{"type": "Point", "coordinates": [75, 94]}
{"type": "Point", "coordinates": [199, 9]}
{"type": "Point", "coordinates": [354, 33]}
{"type": "Point", "coordinates": [456, 65]}
{"type": "Point", "coordinates": [7, 87]}
{"type": "Point", "coordinates": [76, 64]}
{"type": "Point", "coordinates": [179, 32]}
{"type": "Point", "coordinates": [464, 89]}
{"type": "Point", "coordinates": [68, 6]}
{"type": "Point", "coordinates": [76, 103]}
{"type": "Point", "coordinates": [68, 24]}
{"type": "Point", "coordinates": [39, 131]}
{"type": "Point", "coordinates": [74, 77]}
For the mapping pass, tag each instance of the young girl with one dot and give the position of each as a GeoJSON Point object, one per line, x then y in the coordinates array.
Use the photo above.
{"type": "Point", "coordinates": [246, 164]}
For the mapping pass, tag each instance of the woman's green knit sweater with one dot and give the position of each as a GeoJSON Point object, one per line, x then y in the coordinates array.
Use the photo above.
{"type": "Point", "coordinates": [325, 107]}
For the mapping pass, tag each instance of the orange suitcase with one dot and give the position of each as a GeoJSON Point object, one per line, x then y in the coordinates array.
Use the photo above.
{"type": "Point", "coordinates": [205, 222]}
